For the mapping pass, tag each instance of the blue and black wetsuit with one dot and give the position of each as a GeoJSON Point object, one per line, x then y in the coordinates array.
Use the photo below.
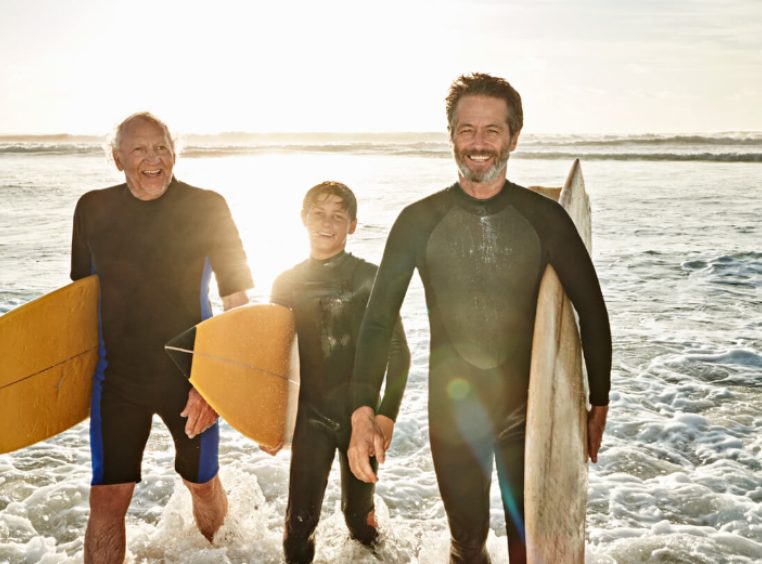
{"type": "Point", "coordinates": [328, 298]}
{"type": "Point", "coordinates": [481, 262]}
{"type": "Point", "coordinates": [154, 260]}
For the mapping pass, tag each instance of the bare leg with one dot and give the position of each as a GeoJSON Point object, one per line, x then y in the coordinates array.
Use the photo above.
{"type": "Point", "coordinates": [105, 538]}
{"type": "Point", "coordinates": [210, 505]}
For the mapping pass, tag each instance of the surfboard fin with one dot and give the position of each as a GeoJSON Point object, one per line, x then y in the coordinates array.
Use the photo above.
{"type": "Point", "coordinates": [180, 350]}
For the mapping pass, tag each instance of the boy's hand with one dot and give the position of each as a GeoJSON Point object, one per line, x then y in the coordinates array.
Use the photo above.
{"type": "Point", "coordinates": [367, 440]}
{"type": "Point", "coordinates": [387, 429]}
{"type": "Point", "coordinates": [271, 451]}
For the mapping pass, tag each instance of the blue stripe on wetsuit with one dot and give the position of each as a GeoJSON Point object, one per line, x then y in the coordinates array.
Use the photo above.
{"type": "Point", "coordinates": [210, 439]}
{"type": "Point", "coordinates": [96, 431]}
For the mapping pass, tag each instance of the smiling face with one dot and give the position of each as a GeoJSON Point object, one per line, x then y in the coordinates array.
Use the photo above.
{"type": "Point", "coordinates": [146, 156]}
{"type": "Point", "coordinates": [482, 142]}
{"type": "Point", "coordinates": [328, 224]}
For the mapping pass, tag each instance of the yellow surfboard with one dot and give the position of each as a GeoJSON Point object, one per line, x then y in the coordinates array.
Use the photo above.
{"type": "Point", "coordinates": [555, 463]}
{"type": "Point", "coordinates": [49, 351]}
{"type": "Point", "coordinates": [245, 363]}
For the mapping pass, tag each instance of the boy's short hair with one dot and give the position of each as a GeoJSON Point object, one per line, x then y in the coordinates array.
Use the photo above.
{"type": "Point", "coordinates": [331, 188]}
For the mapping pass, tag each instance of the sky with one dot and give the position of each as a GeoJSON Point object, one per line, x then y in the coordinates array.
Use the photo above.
{"type": "Point", "coordinates": [585, 66]}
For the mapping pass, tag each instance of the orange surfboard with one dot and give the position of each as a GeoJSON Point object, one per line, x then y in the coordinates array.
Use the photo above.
{"type": "Point", "coordinates": [49, 351]}
{"type": "Point", "coordinates": [245, 363]}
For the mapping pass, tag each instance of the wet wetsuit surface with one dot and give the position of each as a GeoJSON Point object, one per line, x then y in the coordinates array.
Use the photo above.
{"type": "Point", "coordinates": [481, 262]}
{"type": "Point", "coordinates": [154, 260]}
{"type": "Point", "coordinates": [328, 299]}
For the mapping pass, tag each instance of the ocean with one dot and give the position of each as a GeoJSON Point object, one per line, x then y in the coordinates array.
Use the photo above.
{"type": "Point", "coordinates": [677, 242]}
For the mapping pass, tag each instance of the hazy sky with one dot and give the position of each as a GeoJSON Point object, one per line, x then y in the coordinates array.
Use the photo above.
{"type": "Point", "coordinates": [600, 66]}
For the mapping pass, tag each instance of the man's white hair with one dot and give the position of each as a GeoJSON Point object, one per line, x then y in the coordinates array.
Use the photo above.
{"type": "Point", "coordinates": [116, 136]}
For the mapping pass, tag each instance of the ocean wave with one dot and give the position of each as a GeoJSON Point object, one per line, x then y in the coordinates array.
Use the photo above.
{"type": "Point", "coordinates": [753, 139]}
{"type": "Point", "coordinates": [50, 148]}
{"type": "Point", "coordinates": [417, 149]}
{"type": "Point", "coordinates": [593, 156]}
{"type": "Point", "coordinates": [739, 357]}
{"type": "Point", "coordinates": [535, 148]}
{"type": "Point", "coordinates": [739, 269]}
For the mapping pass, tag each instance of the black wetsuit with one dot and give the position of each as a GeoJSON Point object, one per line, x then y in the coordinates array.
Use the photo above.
{"type": "Point", "coordinates": [328, 299]}
{"type": "Point", "coordinates": [481, 262]}
{"type": "Point", "coordinates": [154, 260]}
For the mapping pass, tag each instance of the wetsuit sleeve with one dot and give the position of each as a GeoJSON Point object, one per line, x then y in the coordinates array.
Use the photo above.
{"type": "Point", "coordinates": [226, 253]}
{"type": "Point", "coordinates": [80, 253]}
{"type": "Point", "coordinates": [281, 291]}
{"type": "Point", "coordinates": [572, 263]}
{"type": "Point", "coordinates": [396, 373]}
{"type": "Point", "coordinates": [382, 314]}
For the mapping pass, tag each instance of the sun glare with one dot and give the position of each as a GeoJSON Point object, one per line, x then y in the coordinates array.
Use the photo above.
{"type": "Point", "coordinates": [264, 193]}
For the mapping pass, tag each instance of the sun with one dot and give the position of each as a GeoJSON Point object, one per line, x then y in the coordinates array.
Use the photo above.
{"type": "Point", "coordinates": [264, 194]}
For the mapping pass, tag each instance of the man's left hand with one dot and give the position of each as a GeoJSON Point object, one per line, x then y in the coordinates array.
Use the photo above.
{"type": "Point", "coordinates": [199, 413]}
{"type": "Point", "coordinates": [596, 423]}
{"type": "Point", "coordinates": [387, 429]}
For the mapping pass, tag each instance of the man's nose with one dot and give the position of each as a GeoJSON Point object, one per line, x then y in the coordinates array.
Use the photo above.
{"type": "Point", "coordinates": [480, 137]}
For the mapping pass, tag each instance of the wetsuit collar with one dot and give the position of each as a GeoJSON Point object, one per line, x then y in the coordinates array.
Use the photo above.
{"type": "Point", "coordinates": [490, 205]}
{"type": "Point", "coordinates": [331, 261]}
{"type": "Point", "coordinates": [170, 188]}
{"type": "Point", "coordinates": [506, 186]}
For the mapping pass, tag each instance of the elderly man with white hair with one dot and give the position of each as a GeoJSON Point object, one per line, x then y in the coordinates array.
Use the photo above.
{"type": "Point", "coordinates": [154, 242]}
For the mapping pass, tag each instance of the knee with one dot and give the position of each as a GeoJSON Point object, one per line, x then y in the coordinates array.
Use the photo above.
{"type": "Point", "coordinates": [110, 501]}
{"type": "Point", "coordinates": [301, 525]}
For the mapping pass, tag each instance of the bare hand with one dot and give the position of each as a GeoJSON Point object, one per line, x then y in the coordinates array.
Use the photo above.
{"type": "Point", "coordinates": [367, 440]}
{"type": "Point", "coordinates": [271, 451]}
{"type": "Point", "coordinates": [234, 300]}
{"type": "Point", "coordinates": [596, 423]}
{"type": "Point", "coordinates": [386, 426]}
{"type": "Point", "coordinates": [200, 414]}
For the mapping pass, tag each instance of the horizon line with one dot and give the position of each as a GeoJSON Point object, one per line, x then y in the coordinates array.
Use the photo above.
{"type": "Point", "coordinates": [4, 135]}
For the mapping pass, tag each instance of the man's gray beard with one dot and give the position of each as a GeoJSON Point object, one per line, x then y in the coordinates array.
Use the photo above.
{"type": "Point", "coordinates": [498, 168]}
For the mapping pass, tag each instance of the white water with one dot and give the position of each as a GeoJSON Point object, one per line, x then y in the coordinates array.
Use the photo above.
{"type": "Point", "coordinates": [677, 247]}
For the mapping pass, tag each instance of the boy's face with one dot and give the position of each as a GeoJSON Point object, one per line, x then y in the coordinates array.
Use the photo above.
{"type": "Point", "coordinates": [328, 224]}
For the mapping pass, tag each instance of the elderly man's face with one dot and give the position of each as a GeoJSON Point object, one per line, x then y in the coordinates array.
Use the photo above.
{"type": "Point", "coordinates": [145, 155]}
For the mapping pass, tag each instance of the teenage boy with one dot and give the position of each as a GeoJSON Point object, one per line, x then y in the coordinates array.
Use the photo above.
{"type": "Point", "coordinates": [328, 293]}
